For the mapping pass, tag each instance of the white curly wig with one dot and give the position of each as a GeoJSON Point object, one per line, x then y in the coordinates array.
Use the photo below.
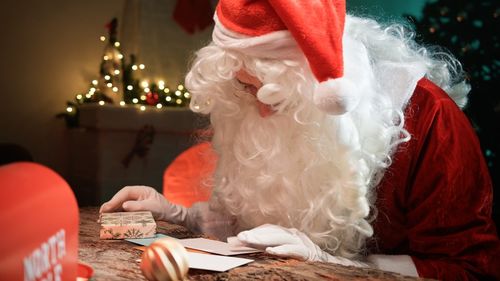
{"type": "Point", "coordinates": [301, 167]}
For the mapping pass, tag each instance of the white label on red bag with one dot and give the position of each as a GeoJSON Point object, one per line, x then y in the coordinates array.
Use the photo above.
{"type": "Point", "coordinates": [44, 262]}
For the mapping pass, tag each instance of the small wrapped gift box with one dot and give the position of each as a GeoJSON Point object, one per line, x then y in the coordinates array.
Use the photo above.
{"type": "Point", "coordinates": [123, 225]}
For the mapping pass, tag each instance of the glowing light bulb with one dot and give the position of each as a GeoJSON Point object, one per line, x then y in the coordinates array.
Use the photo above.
{"type": "Point", "coordinates": [88, 96]}
{"type": "Point", "coordinates": [92, 90]}
{"type": "Point", "coordinates": [117, 44]}
{"type": "Point", "coordinates": [107, 77]}
{"type": "Point", "coordinates": [115, 89]}
{"type": "Point", "coordinates": [142, 66]}
{"type": "Point", "coordinates": [109, 85]}
{"type": "Point", "coordinates": [143, 97]}
{"type": "Point", "coordinates": [130, 87]}
{"type": "Point", "coordinates": [167, 90]}
{"type": "Point", "coordinates": [178, 93]}
{"type": "Point", "coordinates": [147, 90]}
{"type": "Point", "coordinates": [161, 84]}
{"type": "Point", "coordinates": [94, 82]}
{"type": "Point", "coordinates": [79, 97]}
{"type": "Point", "coordinates": [144, 84]}
{"type": "Point", "coordinates": [187, 95]}
{"type": "Point", "coordinates": [120, 56]}
{"type": "Point", "coordinates": [69, 109]}
{"type": "Point", "coordinates": [178, 101]}
{"type": "Point", "coordinates": [122, 103]}
{"type": "Point", "coordinates": [180, 87]}
{"type": "Point", "coordinates": [105, 58]}
{"type": "Point", "coordinates": [101, 102]}
{"type": "Point", "coordinates": [159, 105]}
{"type": "Point", "coordinates": [134, 67]}
{"type": "Point", "coordinates": [116, 72]}
{"type": "Point", "coordinates": [143, 107]}
{"type": "Point", "coordinates": [168, 98]}
{"type": "Point", "coordinates": [102, 38]}
{"type": "Point", "coordinates": [135, 100]}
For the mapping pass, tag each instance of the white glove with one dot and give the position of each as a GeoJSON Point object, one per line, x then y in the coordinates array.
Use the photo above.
{"type": "Point", "coordinates": [145, 198]}
{"type": "Point", "coordinates": [200, 218]}
{"type": "Point", "coordinates": [290, 242]}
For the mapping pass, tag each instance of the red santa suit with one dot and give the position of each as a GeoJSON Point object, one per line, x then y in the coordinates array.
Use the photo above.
{"type": "Point", "coordinates": [434, 202]}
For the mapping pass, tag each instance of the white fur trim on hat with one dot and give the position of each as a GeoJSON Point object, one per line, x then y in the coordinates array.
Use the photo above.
{"type": "Point", "coordinates": [275, 45]}
{"type": "Point", "coordinates": [336, 96]}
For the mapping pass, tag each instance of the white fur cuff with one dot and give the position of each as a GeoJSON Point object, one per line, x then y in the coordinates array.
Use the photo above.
{"type": "Point", "coordinates": [401, 264]}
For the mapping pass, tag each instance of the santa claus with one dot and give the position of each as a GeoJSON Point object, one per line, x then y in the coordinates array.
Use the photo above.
{"type": "Point", "coordinates": [338, 140]}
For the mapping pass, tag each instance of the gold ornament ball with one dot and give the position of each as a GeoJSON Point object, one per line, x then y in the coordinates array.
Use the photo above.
{"type": "Point", "coordinates": [165, 260]}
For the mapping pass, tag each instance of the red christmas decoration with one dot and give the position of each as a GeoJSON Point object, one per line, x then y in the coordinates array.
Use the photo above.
{"type": "Point", "coordinates": [152, 98]}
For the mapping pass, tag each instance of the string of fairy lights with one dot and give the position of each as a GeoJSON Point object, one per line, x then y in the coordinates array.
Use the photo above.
{"type": "Point", "coordinates": [118, 85]}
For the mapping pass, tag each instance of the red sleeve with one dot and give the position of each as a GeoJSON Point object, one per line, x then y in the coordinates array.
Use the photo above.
{"type": "Point", "coordinates": [444, 193]}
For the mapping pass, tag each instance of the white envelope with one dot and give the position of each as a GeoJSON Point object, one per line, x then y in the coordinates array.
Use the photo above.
{"type": "Point", "coordinates": [207, 261]}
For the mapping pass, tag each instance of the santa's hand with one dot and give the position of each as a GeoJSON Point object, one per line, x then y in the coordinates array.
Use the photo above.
{"type": "Point", "coordinates": [145, 198]}
{"type": "Point", "coordinates": [289, 242]}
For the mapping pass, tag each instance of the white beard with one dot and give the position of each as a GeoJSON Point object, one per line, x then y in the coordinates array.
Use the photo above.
{"type": "Point", "coordinates": [294, 174]}
{"type": "Point", "coordinates": [301, 167]}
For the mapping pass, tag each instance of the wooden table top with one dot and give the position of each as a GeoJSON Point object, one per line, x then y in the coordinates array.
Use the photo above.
{"type": "Point", "coordinates": [117, 260]}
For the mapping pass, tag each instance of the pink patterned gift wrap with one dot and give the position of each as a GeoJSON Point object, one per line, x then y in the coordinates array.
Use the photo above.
{"type": "Point", "coordinates": [121, 225]}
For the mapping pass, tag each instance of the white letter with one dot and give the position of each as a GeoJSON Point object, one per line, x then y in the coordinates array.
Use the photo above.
{"type": "Point", "coordinates": [52, 244]}
{"type": "Point", "coordinates": [57, 272]}
{"type": "Point", "coordinates": [36, 256]}
{"type": "Point", "coordinates": [61, 244]}
{"type": "Point", "coordinates": [44, 258]}
{"type": "Point", "coordinates": [29, 274]}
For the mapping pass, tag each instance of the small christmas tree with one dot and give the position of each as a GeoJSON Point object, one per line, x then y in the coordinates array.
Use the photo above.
{"type": "Point", "coordinates": [109, 82]}
{"type": "Point", "coordinates": [118, 83]}
{"type": "Point", "coordinates": [131, 87]}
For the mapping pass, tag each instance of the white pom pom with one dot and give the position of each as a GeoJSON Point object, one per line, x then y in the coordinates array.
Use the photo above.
{"type": "Point", "coordinates": [336, 96]}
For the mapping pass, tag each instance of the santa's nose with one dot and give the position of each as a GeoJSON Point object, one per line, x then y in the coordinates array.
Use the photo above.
{"type": "Point", "coordinates": [252, 85]}
{"type": "Point", "coordinates": [265, 110]}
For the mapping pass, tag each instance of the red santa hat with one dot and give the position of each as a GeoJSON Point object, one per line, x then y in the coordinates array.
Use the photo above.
{"type": "Point", "coordinates": [274, 28]}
